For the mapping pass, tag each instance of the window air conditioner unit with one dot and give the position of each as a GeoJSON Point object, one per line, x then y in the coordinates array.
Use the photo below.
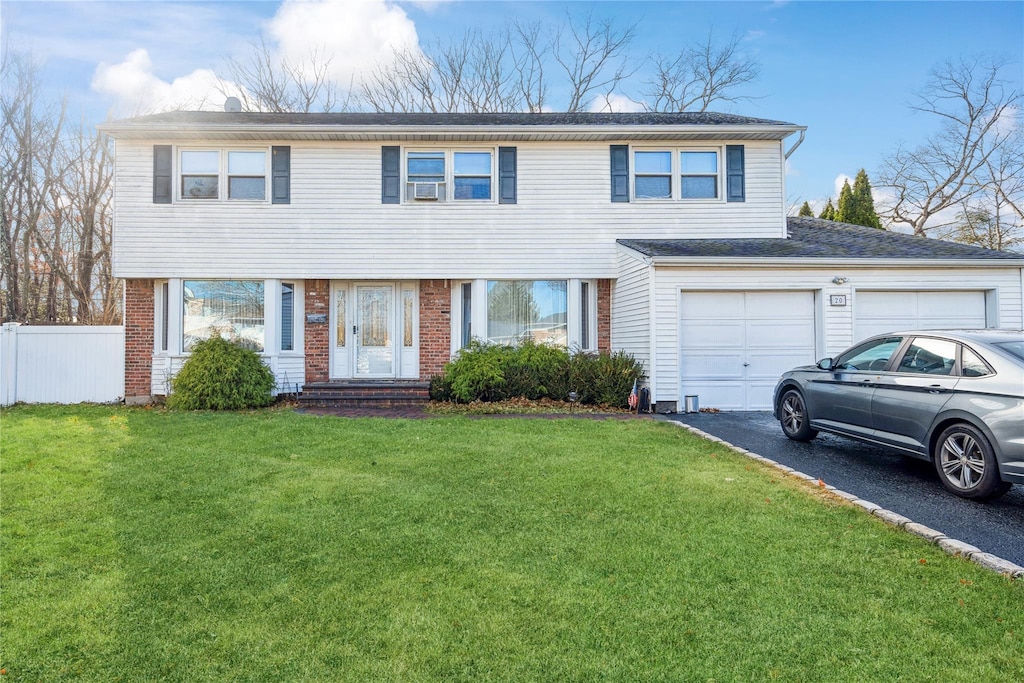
{"type": "Point", "coordinates": [424, 191]}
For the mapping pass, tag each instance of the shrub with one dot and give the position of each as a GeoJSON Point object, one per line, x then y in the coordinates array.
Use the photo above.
{"type": "Point", "coordinates": [221, 375]}
{"type": "Point", "coordinates": [494, 372]}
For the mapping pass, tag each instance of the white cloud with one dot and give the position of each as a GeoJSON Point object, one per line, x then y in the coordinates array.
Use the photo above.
{"type": "Point", "coordinates": [355, 35]}
{"type": "Point", "coordinates": [840, 179]}
{"type": "Point", "coordinates": [616, 103]}
{"type": "Point", "coordinates": [137, 89]}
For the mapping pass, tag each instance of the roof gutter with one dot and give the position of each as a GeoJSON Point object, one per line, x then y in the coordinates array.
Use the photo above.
{"type": "Point", "coordinates": [797, 143]}
{"type": "Point", "coordinates": [810, 262]}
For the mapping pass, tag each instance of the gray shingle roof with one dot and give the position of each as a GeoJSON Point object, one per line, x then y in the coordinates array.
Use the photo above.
{"type": "Point", "coordinates": [816, 238]}
{"type": "Point", "coordinates": [428, 119]}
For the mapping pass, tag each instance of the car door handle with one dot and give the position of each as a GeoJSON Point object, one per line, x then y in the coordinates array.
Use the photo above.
{"type": "Point", "coordinates": [936, 389]}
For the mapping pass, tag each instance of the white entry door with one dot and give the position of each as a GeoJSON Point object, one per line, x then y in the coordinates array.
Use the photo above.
{"type": "Point", "coordinates": [734, 345]}
{"type": "Point", "coordinates": [374, 331]}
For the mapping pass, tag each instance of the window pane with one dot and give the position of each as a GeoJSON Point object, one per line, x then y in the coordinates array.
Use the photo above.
{"type": "Point", "coordinates": [971, 365]}
{"type": "Point", "coordinates": [426, 166]}
{"type": "Point", "coordinates": [653, 186]}
{"type": "Point", "coordinates": [527, 309]}
{"type": "Point", "coordinates": [287, 316]}
{"type": "Point", "coordinates": [473, 163]}
{"type": "Point", "coordinates": [472, 188]}
{"type": "Point", "coordinates": [585, 315]}
{"type": "Point", "coordinates": [700, 187]}
{"type": "Point", "coordinates": [698, 162]}
{"type": "Point", "coordinates": [232, 309]}
{"type": "Point", "coordinates": [200, 162]}
{"type": "Point", "coordinates": [653, 162]}
{"type": "Point", "coordinates": [929, 356]}
{"type": "Point", "coordinates": [247, 188]}
{"type": "Point", "coordinates": [467, 313]}
{"type": "Point", "coordinates": [199, 187]}
{"type": "Point", "coordinates": [247, 163]}
{"type": "Point", "coordinates": [873, 355]}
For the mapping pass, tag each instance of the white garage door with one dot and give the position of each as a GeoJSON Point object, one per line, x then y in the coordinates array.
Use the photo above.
{"type": "Point", "coordinates": [734, 345]}
{"type": "Point", "coordinates": [880, 312]}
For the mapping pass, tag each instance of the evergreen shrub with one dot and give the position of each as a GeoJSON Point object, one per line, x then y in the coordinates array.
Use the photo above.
{"type": "Point", "coordinates": [221, 375]}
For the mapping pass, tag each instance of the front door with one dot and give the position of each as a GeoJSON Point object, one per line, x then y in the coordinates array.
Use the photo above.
{"type": "Point", "coordinates": [373, 332]}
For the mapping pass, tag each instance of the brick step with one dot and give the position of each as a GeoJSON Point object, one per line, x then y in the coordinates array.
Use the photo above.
{"type": "Point", "coordinates": [365, 393]}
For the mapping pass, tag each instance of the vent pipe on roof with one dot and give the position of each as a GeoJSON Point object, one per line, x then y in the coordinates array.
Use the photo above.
{"type": "Point", "coordinates": [233, 105]}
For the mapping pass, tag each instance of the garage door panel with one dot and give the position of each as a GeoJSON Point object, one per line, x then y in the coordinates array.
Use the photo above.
{"type": "Point", "coordinates": [734, 345]}
{"type": "Point", "coordinates": [877, 312]}
{"type": "Point", "coordinates": [697, 365]}
{"type": "Point", "coordinates": [941, 304]}
{"type": "Point", "coordinates": [886, 304]}
{"type": "Point", "coordinates": [725, 335]}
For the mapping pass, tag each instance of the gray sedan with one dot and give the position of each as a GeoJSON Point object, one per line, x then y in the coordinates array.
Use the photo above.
{"type": "Point", "coordinates": [953, 397]}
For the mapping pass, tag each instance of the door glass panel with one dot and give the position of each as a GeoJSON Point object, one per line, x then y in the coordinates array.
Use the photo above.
{"type": "Point", "coordinates": [929, 357]}
{"type": "Point", "coordinates": [407, 311]}
{"type": "Point", "coordinates": [339, 318]}
{"type": "Point", "coordinates": [375, 353]}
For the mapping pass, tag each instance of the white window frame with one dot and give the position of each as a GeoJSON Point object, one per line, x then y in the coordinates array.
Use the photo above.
{"type": "Point", "coordinates": [446, 191]}
{"type": "Point", "coordinates": [223, 177]}
{"type": "Point", "coordinates": [677, 174]}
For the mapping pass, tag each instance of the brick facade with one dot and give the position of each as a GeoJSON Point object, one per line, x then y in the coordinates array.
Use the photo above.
{"type": "Point", "coordinates": [435, 327]}
{"type": "Point", "coordinates": [318, 335]}
{"type": "Point", "coordinates": [138, 341]}
{"type": "Point", "coordinates": [604, 315]}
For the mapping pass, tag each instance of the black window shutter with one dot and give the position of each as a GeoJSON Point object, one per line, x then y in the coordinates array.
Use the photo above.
{"type": "Point", "coordinates": [281, 175]}
{"type": "Point", "coordinates": [620, 173]}
{"type": "Point", "coordinates": [506, 175]}
{"type": "Point", "coordinates": [162, 181]}
{"type": "Point", "coordinates": [735, 186]}
{"type": "Point", "coordinates": [391, 175]}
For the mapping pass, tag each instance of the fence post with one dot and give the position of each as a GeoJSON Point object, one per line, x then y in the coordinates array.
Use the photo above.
{"type": "Point", "coordinates": [9, 364]}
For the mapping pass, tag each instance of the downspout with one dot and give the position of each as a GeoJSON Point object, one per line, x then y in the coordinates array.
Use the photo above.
{"type": "Point", "coordinates": [796, 144]}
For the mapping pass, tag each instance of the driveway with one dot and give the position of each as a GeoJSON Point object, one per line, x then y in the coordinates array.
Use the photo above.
{"type": "Point", "coordinates": [902, 484]}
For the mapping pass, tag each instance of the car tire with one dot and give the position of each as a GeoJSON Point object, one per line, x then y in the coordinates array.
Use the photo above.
{"type": "Point", "coordinates": [966, 463]}
{"type": "Point", "coordinates": [793, 417]}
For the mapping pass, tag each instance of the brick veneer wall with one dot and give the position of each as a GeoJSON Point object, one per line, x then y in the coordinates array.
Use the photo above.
{"type": "Point", "coordinates": [435, 327]}
{"type": "Point", "coordinates": [604, 315]}
{"type": "Point", "coordinates": [318, 335]}
{"type": "Point", "coordinates": [138, 341]}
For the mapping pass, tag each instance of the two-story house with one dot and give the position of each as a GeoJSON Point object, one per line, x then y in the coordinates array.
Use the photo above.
{"type": "Point", "coordinates": [375, 246]}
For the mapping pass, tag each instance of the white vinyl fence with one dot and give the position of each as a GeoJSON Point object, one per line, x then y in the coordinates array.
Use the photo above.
{"type": "Point", "coordinates": [61, 364]}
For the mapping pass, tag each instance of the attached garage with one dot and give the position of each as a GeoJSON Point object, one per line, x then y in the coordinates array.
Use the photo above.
{"type": "Point", "coordinates": [876, 312]}
{"type": "Point", "coordinates": [722, 319]}
{"type": "Point", "coordinates": [734, 345]}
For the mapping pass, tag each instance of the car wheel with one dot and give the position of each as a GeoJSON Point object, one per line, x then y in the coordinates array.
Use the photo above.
{"type": "Point", "coordinates": [793, 417]}
{"type": "Point", "coordinates": [966, 463]}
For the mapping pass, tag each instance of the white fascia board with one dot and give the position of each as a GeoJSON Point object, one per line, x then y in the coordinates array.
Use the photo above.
{"type": "Point", "coordinates": [805, 262]}
{"type": "Point", "coordinates": [386, 132]}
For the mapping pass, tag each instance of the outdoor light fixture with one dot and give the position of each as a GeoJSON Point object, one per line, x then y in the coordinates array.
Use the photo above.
{"type": "Point", "coordinates": [839, 280]}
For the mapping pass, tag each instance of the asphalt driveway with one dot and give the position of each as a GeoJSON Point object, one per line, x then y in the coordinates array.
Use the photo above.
{"type": "Point", "coordinates": [902, 484]}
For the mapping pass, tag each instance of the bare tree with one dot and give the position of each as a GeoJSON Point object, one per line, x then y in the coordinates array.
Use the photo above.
{"type": "Point", "coordinates": [529, 52]}
{"type": "Point", "coordinates": [593, 55]}
{"type": "Point", "coordinates": [266, 82]}
{"type": "Point", "coordinates": [699, 77]}
{"type": "Point", "coordinates": [943, 176]}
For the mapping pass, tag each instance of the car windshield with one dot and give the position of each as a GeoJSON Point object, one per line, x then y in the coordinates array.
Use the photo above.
{"type": "Point", "coordinates": [1014, 348]}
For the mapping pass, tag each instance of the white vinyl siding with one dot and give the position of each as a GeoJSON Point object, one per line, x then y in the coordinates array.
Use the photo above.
{"type": "Point", "coordinates": [631, 316]}
{"type": "Point", "coordinates": [336, 224]}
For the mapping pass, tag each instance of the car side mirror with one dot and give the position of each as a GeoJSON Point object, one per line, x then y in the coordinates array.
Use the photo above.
{"type": "Point", "coordinates": [825, 364]}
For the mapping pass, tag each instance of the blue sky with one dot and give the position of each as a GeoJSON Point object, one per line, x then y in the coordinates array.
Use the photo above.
{"type": "Point", "coordinates": [846, 70]}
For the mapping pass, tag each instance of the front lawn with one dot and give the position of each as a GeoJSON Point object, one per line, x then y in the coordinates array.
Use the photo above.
{"type": "Point", "coordinates": [152, 545]}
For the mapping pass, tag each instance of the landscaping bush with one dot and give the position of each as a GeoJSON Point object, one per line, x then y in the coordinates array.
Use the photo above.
{"type": "Point", "coordinates": [495, 372]}
{"type": "Point", "coordinates": [220, 375]}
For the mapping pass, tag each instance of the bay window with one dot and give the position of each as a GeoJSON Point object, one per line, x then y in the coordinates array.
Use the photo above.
{"type": "Point", "coordinates": [232, 309]}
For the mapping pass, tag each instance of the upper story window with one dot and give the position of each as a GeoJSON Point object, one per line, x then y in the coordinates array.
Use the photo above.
{"type": "Point", "coordinates": [469, 174]}
{"type": "Point", "coordinates": [223, 174]}
{"type": "Point", "coordinates": [677, 174]}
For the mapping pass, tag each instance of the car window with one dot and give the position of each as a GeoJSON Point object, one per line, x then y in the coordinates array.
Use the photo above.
{"type": "Point", "coordinates": [872, 355]}
{"type": "Point", "coordinates": [929, 357]}
{"type": "Point", "coordinates": [971, 365]}
{"type": "Point", "coordinates": [1014, 347]}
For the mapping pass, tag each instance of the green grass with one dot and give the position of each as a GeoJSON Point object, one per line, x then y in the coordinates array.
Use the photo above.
{"type": "Point", "coordinates": [152, 545]}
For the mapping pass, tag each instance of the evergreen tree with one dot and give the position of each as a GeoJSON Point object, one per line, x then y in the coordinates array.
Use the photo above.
{"type": "Point", "coordinates": [805, 210]}
{"type": "Point", "coordinates": [863, 204]}
{"type": "Point", "coordinates": [845, 208]}
{"type": "Point", "coordinates": [829, 212]}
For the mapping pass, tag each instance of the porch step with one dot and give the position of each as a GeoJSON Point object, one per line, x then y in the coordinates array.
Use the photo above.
{"type": "Point", "coordinates": [365, 393]}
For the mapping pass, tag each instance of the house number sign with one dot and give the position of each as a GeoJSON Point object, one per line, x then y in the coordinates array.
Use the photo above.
{"type": "Point", "coordinates": [837, 299]}
{"type": "Point", "coordinates": [316, 318]}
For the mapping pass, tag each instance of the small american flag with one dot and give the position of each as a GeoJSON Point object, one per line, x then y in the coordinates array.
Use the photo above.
{"type": "Point", "coordinates": [633, 400]}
